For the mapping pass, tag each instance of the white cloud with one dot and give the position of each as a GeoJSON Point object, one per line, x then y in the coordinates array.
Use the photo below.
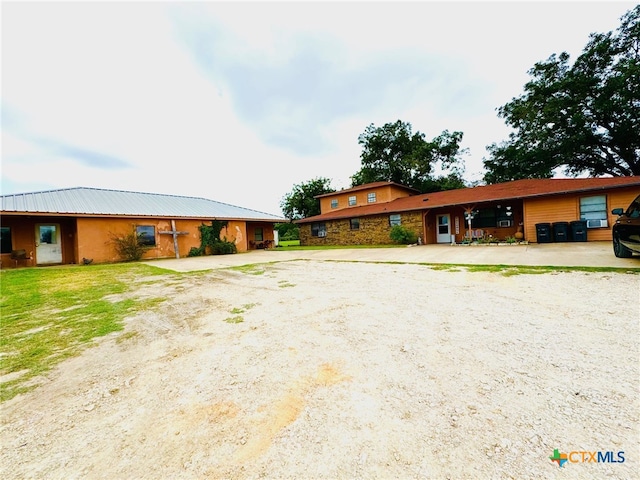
{"type": "Point", "coordinates": [237, 102]}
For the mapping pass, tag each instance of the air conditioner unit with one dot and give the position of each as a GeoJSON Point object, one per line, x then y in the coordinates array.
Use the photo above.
{"type": "Point", "coordinates": [504, 223]}
{"type": "Point", "coordinates": [322, 234]}
{"type": "Point", "coordinates": [596, 223]}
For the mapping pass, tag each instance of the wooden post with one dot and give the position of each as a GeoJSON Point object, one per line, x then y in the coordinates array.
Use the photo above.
{"type": "Point", "coordinates": [175, 234]}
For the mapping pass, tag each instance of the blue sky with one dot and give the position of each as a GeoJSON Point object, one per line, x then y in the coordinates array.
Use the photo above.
{"type": "Point", "coordinates": [238, 101]}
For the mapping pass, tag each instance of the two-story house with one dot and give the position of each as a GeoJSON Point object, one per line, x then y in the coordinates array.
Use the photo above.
{"type": "Point", "coordinates": [365, 215]}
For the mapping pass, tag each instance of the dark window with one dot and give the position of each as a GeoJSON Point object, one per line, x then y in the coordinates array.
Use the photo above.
{"type": "Point", "coordinates": [5, 240]}
{"type": "Point", "coordinates": [486, 217]}
{"type": "Point", "coordinates": [258, 234]}
{"type": "Point", "coordinates": [634, 209]}
{"type": "Point", "coordinates": [354, 223]}
{"type": "Point", "coordinates": [318, 230]}
{"type": "Point", "coordinates": [146, 235]}
{"type": "Point", "coordinates": [394, 220]}
{"type": "Point", "coordinates": [504, 216]}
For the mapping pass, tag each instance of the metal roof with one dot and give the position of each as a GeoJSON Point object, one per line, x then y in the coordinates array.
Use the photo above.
{"type": "Point", "coordinates": [96, 201]}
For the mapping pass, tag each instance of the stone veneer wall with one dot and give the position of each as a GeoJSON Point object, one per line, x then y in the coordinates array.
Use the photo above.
{"type": "Point", "coordinates": [374, 230]}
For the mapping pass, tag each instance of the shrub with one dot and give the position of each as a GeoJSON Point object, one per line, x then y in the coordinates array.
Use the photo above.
{"type": "Point", "coordinates": [210, 237]}
{"type": "Point", "coordinates": [223, 247]}
{"type": "Point", "coordinates": [403, 235]}
{"type": "Point", "coordinates": [195, 252]}
{"type": "Point", "coordinates": [128, 246]}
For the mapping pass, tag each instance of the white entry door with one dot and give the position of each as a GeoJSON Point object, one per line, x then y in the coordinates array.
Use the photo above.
{"type": "Point", "coordinates": [444, 229]}
{"type": "Point", "coordinates": [48, 248]}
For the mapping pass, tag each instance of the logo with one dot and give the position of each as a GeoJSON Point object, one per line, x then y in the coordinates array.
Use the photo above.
{"type": "Point", "coordinates": [559, 458]}
{"type": "Point", "coordinates": [586, 457]}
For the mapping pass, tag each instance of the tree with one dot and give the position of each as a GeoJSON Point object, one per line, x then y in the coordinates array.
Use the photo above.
{"type": "Point", "coordinates": [393, 153]}
{"type": "Point", "coordinates": [584, 118]}
{"type": "Point", "coordinates": [287, 231]}
{"type": "Point", "coordinates": [300, 202]}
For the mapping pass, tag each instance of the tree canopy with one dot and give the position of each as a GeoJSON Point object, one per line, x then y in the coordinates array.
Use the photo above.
{"type": "Point", "coordinates": [394, 153]}
{"type": "Point", "coordinates": [583, 118]}
{"type": "Point", "coordinates": [300, 202]}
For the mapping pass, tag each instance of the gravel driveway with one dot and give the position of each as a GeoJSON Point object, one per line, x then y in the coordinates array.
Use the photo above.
{"type": "Point", "coordinates": [325, 369]}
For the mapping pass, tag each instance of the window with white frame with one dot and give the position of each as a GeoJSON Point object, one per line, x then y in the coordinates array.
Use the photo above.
{"type": "Point", "coordinates": [594, 211]}
{"type": "Point", "coordinates": [394, 220]}
{"type": "Point", "coordinates": [318, 230]}
{"type": "Point", "coordinates": [354, 223]}
{"type": "Point", "coordinates": [352, 200]}
{"type": "Point", "coordinates": [334, 203]}
{"type": "Point", "coordinates": [371, 197]}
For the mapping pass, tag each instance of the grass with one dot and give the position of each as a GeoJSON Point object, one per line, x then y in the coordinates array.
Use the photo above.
{"type": "Point", "coordinates": [506, 270]}
{"type": "Point", "coordinates": [511, 270]}
{"type": "Point", "coordinates": [53, 313]}
{"type": "Point", "coordinates": [236, 319]}
{"type": "Point", "coordinates": [250, 268]}
{"type": "Point", "coordinates": [288, 243]}
{"type": "Point", "coordinates": [334, 247]}
{"type": "Point", "coordinates": [50, 314]}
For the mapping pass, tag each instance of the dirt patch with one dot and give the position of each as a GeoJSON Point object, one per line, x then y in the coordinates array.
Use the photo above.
{"type": "Point", "coordinates": [353, 370]}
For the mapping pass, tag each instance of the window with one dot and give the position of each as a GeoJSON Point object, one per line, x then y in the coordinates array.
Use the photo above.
{"type": "Point", "coordinates": [146, 235]}
{"type": "Point", "coordinates": [371, 197]}
{"type": "Point", "coordinates": [352, 200]}
{"type": "Point", "coordinates": [504, 216]}
{"type": "Point", "coordinates": [594, 211]}
{"type": "Point", "coordinates": [394, 220]}
{"type": "Point", "coordinates": [318, 230]}
{"type": "Point", "coordinates": [634, 209]}
{"type": "Point", "coordinates": [485, 218]}
{"type": "Point", "coordinates": [258, 234]}
{"type": "Point", "coordinates": [5, 240]}
{"type": "Point", "coordinates": [354, 223]}
{"type": "Point", "coordinates": [334, 203]}
{"type": "Point", "coordinates": [48, 234]}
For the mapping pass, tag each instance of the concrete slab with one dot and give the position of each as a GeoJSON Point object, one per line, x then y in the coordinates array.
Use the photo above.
{"type": "Point", "coordinates": [570, 254]}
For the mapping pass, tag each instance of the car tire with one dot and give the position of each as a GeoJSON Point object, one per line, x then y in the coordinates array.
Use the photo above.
{"type": "Point", "coordinates": [620, 250]}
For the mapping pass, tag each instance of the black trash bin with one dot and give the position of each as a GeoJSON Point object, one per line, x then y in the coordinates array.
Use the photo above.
{"type": "Point", "coordinates": [579, 230]}
{"type": "Point", "coordinates": [561, 231]}
{"type": "Point", "coordinates": [543, 233]}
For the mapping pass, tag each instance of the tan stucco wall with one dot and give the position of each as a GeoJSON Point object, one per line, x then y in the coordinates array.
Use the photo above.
{"type": "Point", "coordinates": [383, 194]}
{"type": "Point", "coordinates": [374, 230]}
{"type": "Point", "coordinates": [95, 237]}
{"type": "Point", "coordinates": [92, 237]}
{"type": "Point", "coordinates": [23, 237]}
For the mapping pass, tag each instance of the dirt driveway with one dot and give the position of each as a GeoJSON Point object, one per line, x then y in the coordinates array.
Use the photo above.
{"type": "Point", "coordinates": [323, 369]}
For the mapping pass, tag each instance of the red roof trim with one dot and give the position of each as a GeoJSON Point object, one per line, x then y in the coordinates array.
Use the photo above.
{"type": "Point", "coordinates": [367, 186]}
{"type": "Point", "coordinates": [517, 189]}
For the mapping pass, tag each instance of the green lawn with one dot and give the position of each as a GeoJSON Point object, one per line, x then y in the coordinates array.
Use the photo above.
{"type": "Point", "coordinates": [297, 246]}
{"type": "Point", "coordinates": [49, 314]}
{"type": "Point", "coordinates": [288, 243]}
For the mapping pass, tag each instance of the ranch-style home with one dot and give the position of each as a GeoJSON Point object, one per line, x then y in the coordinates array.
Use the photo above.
{"type": "Point", "coordinates": [524, 209]}
{"type": "Point", "coordinates": [68, 225]}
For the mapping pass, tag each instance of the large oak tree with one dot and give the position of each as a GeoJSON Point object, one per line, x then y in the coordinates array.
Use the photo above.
{"type": "Point", "coordinates": [394, 153]}
{"type": "Point", "coordinates": [583, 118]}
{"type": "Point", "coordinates": [300, 201]}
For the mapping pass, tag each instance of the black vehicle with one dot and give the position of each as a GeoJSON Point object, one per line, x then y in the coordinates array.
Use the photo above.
{"type": "Point", "coordinates": [626, 230]}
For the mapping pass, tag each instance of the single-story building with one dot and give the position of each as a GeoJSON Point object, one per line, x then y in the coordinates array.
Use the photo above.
{"type": "Point", "coordinates": [364, 215]}
{"type": "Point", "coordinates": [68, 225]}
